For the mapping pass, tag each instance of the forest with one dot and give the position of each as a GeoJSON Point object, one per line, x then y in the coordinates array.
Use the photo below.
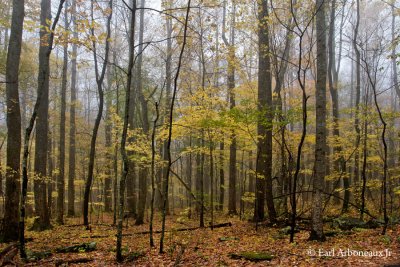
{"type": "Point", "coordinates": [199, 133]}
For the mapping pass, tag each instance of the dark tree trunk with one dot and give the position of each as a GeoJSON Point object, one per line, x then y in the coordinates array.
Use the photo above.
{"type": "Point", "coordinates": [72, 127]}
{"type": "Point", "coordinates": [10, 230]}
{"type": "Point", "coordinates": [99, 81]}
{"type": "Point", "coordinates": [170, 118]}
{"type": "Point", "coordinates": [221, 176]}
{"type": "Point", "coordinates": [264, 127]}
{"type": "Point", "coordinates": [41, 85]}
{"type": "Point", "coordinates": [127, 113]}
{"type": "Point", "coordinates": [168, 78]}
{"type": "Point", "coordinates": [42, 221]}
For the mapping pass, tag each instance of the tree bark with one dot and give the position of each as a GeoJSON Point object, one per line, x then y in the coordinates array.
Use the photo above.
{"type": "Point", "coordinates": [143, 172]}
{"type": "Point", "coordinates": [61, 159]}
{"type": "Point", "coordinates": [42, 221]}
{"type": "Point", "coordinates": [232, 103]}
{"type": "Point", "coordinates": [99, 81]}
{"type": "Point", "coordinates": [10, 230]}
{"type": "Point", "coordinates": [72, 127]}
{"type": "Point", "coordinates": [320, 129]}
{"type": "Point", "coordinates": [41, 84]}
{"type": "Point", "coordinates": [169, 140]}
{"type": "Point", "coordinates": [264, 125]}
{"type": "Point", "coordinates": [127, 113]}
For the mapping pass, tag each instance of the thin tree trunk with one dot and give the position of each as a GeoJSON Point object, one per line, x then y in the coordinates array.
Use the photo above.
{"type": "Point", "coordinates": [72, 127]}
{"type": "Point", "coordinates": [108, 145]}
{"type": "Point", "coordinates": [99, 81]}
{"type": "Point", "coordinates": [358, 95]}
{"type": "Point", "coordinates": [61, 159]}
{"type": "Point", "coordinates": [221, 176]}
{"type": "Point", "coordinates": [127, 113]}
{"type": "Point", "coordinates": [169, 140]}
{"type": "Point", "coordinates": [153, 185]}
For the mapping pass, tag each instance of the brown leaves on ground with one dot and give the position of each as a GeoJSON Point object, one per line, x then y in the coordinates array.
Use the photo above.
{"type": "Point", "coordinates": [206, 247]}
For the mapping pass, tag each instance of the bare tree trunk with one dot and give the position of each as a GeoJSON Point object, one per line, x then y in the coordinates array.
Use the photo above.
{"type": "Point", "coordinates": [358, 95]}
{"type": "Point", "coordinates": [231, 86]}
{"type": "Point", "coordinates": [127, 113]}
{"type": "Point", "coordinates": [221, 176]}
{"type": "Point", "coordinates": [143, 172]}
{"type": "Point", "coordinates": [372, 80]}
{"type": "Point", "coordinates": [10, 228]}
{"type": "Point", "coordinates": [131, 178]}
{"type": "Point", "coordinates": [168, 84]}
{"type": "Point", "coordinates": [51, 181]}
{"type": "Point", "coordinates": [108, 145]}
{"type": "Point", "coordinates": [61, 159]}
{"type": "Point", "coordinates": [28, 132]}
{"type": "Point", "coordinates": [264, 127]}
{"type": "Point", "coordinates": [320, 131]}
{"type": "Point", "coordinates": [72, 127]}
{"type": "Point", "coordinates": [169, 140]}
{"type": "Point", "coordinates": [42, 221]}
{"type": "Point", "coordinates": [100, 74]}
{"type": "Point", "coordinates": [153, 185]}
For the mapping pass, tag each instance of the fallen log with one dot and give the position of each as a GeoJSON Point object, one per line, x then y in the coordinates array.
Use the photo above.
{"type": "Point", "coordinates": [220, 225]}
{"type": "Point", "coordinates": [252, 256]}
{"type": "Point", "coordinates": [60, 262]}
{"type": "Point", "coordinates": [85, 247]}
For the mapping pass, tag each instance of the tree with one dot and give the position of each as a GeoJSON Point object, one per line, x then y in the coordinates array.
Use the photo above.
{"type": "Point", "coordinates": [42, 77]}
{"type": "Point", "coordinates": [264, 125]}
{"type": "Point", "coordinates": [127, 113]}
{"type": "Point", "coordinates": [61, 156]}
{"type": "Point", "coordinates": [171, 113]}
{"type": "Point", "coordinates": [320, 129]}
{"type": "Point", "coordinates": [10, 230]}
{"type": "Point", "coordinates": [42, 221]}
{"type": "Point", "coordinates": [100, 75]}
{"type": "Point", "coordinates": [72, 111]}
{"type": "Point", "coordinates": [143, 173]}
{"type": "Point", "coordinates": [231, 86]}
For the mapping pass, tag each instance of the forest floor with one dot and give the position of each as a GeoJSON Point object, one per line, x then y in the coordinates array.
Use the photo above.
{"type": "Point", "coordinates": [206, 247]}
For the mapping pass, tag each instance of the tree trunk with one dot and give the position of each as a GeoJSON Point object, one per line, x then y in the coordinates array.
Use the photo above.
{"type": "Point", "coordinates": [320, 129]}
{"type": "Point", "coordinates": [221, 176]}
{"type": "Point", "coordinates": [72, 127]}
{"type": "Point", "coordinates": [127, 113]}
{"type": "Point", "coordinates": [10, 230]}
{"type": "Point", "coordinates": [61, 159]}
{"type": "Point", "coordinates": [42, 221]}
{"type": "Point", "coordinates": [99, 81]}
{"type": "Point", "coordinates": [131, 178]}
{"type": "Point", "coordinates": [169, 140]}
{"type": "Point", "coordinates": [143, 172]}
{"type": "Point", "coordinates": [41, 86]}
{"type": "Point", "coordinates": [264, 126]}
{"type": "Point", "coordinates": [358, 96]}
